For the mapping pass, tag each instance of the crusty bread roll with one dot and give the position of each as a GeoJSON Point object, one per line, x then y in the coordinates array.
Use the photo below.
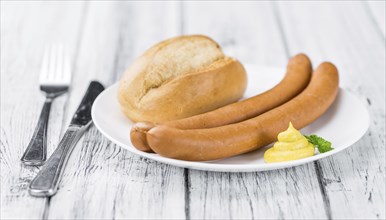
{"type": "Point", "coordinates": [178, 78]}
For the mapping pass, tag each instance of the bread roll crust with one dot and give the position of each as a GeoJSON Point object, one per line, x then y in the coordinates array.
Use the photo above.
{"type": "Point", "coordinates": [178, 78]}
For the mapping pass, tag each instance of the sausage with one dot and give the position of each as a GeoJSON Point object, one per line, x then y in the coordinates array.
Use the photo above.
{"type": "Point", "coordinates": [230, 140]}
{"type": "Point", "coordinates": [138, 136]}
{"type": "Point", "coordinates": [299, 71]}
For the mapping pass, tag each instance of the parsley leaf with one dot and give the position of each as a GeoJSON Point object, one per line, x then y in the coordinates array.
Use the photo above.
{"type": "Point", "coordinates": [322, 144]}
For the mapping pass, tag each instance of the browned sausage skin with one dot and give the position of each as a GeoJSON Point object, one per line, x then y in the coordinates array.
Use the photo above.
{"type": "Point", "coordinates": [234, 139]}
{"type": "Point", "coordinates": [299, 71]}
{"type": "Point", "coordinates": [138, 135]}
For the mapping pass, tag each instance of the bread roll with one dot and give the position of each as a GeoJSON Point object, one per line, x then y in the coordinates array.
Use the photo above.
{"type": "Point", "coordinates": [178, 78]}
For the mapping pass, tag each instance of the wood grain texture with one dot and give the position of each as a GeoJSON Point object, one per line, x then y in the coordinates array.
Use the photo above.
{"type": "Point", "coordinates": [102, 180]}
{"type": "Point", "coordinates": [25, 29]}
{"type": "Point", "coordinates": [265, 195]}
{"type": "Point", "coordinates": [377, 13]}
{"type": "Point", "coordinates": [246, 30]}
{"type": "Point", "coordinates": [353, 180]}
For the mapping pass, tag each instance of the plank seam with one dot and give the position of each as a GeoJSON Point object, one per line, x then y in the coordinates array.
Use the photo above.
{"type": "Point", "coordinates": [46, 208]}
{"type": "Point", "coordinates": [74, 62]}
{"type": "Point", "coordinates": [187, 182]}
{"type": "Point", "coordinates": [65, 109]}
{"type": "Point", "coordinates": [322, 184]}
{"type": "Point", "coordinates": [181, 16]}
{"type": "Point", "coordinates": [241, 177]}
{"type": "Point", "coordinates": [317, 167]}
{"type": "Point", "coordinates": [187, 193]}
{"type": "Point", "coordinates": [280, 26]}
{"type": "Point", "coordinates": [119, 44]}
{"type": "Point", "coordinates": [115, 74]}
{"type": "Point", "coordinates": [368, 10]}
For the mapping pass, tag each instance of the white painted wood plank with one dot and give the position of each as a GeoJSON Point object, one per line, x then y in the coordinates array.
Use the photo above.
{"type": "Point", "coordinates": [343, 32]}
{"type": "Point", "coordinates": [378, 11]}
{"type": "Point", "coordinates": [102, 180]}
{"type": "Point", "coordinates": [245, 30]}
{"type": "Point", "coordinates": [249, 31]}
{"type": "Point", "coordinates": [25, 28]}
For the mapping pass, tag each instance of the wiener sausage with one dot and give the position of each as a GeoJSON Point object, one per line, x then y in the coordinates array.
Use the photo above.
{"type": "Point", "coordinates": [242, 137]}
{"type": "Point", "coordinates": [299, 71]}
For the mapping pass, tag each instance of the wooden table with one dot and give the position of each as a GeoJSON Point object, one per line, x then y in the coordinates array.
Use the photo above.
{"type": "Point", "coordinates": [105, 181]}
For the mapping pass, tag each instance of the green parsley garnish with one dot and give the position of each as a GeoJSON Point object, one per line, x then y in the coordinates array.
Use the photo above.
{"type": "Point", "coordinates": [322, 144]}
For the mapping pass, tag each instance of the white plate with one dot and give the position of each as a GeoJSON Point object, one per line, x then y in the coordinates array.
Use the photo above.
{"type": "Point", "coordinates": [343, 124]}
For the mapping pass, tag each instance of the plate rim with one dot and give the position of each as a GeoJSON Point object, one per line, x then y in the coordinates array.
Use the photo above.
{"type": "Point", "coordinates": [201, 165]}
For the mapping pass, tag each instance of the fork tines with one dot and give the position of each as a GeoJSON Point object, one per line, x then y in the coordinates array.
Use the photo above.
{"type": "Point", "coordinates": [55, 68]}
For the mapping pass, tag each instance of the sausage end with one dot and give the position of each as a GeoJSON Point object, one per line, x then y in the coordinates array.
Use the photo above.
{"type": "Point", "coordinates": [138, 136]}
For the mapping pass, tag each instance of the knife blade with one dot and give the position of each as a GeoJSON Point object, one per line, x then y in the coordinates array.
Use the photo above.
{"type": "Point", "coordinates": [45, 184]}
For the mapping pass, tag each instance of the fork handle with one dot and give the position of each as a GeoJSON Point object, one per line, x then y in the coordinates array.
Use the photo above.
{"type": "Point", "coordinates": [36, 151]}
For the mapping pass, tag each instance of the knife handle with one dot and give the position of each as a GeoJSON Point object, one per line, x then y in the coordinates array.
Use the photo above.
{"type": "Point", "coordinates": [46, 182]}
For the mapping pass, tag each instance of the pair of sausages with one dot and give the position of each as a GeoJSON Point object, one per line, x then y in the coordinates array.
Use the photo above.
{"type": "Point", "coordinates": [203, 144]}
{"type": "Point", "coordinates": [298, 75]}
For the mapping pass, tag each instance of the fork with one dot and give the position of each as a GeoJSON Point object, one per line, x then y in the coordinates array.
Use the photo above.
{"type": "Point", "coordinates": [55, 77]}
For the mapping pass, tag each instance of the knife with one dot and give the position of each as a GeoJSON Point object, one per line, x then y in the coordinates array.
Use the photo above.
{"type": "Point", "coordinates": [46, 182]}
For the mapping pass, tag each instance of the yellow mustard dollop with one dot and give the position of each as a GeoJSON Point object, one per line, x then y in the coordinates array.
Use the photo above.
{"type": "Point", "coordinates": [291, 145]}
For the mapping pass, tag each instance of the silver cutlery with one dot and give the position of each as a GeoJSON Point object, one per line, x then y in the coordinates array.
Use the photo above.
{"type": "Point", "coordinates": [55, 77]}
{"type": "Point", "coordinates": [46, 182]}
